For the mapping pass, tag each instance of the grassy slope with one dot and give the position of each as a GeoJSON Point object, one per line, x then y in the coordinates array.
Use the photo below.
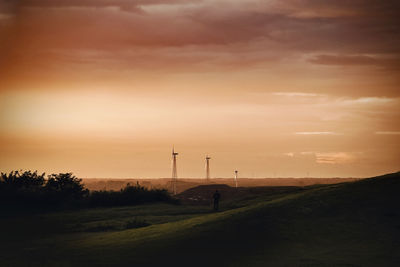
{"type": "Point", "coordinates": [353, 224]}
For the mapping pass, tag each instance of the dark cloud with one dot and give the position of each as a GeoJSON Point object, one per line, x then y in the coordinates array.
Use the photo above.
{"type": "Point", "coordinates": [353, 60]}
{"type": "Point", "coordinates": [7, 6]}
{"type": "Point", "coordinates": [362, 32]}
{"type": "Point", "coordinates": [7, 19]}
{"type": "Point", "coordinates": [358, 7]}
{"type": "Point", "coordinates": [125, 5]}
{"type": "Point", "coordinates": [203, 34]}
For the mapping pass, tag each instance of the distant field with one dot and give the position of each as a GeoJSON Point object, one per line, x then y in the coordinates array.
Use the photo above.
{"type": "Point", "coordinates": [348, 224]}
{"type": "Point", "coordinates": [186, 183]}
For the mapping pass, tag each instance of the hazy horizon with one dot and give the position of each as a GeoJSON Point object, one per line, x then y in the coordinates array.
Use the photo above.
{"type": "Point", "coordinates": [202, 178]}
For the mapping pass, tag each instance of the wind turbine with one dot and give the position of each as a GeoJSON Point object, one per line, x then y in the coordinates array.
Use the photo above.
{"type": "Point", "coordinates": [174, 171]}
{"type": "Point", "coordinates": [208, 168]}
{"type": "Point", "coordinates": [236, 177]}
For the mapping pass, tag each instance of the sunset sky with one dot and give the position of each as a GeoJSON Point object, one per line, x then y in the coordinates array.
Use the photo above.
{"type": "Point", "coordinates": [105, 88]}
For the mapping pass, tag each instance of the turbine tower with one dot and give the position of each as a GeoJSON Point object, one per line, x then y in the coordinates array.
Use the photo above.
{"type": "Point", "coordinates": [208, 168]}
{"type": "Point", "coordinates": [174, 171]}
{"type": "Point", "coordinates": [236, 176]}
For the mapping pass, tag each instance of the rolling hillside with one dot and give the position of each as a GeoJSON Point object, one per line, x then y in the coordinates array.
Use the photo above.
{"type": "Point", "coordinates": [349, 224]}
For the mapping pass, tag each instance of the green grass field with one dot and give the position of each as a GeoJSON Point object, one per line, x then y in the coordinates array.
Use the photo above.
{"type": "Point", "coordinates": [349, 224]}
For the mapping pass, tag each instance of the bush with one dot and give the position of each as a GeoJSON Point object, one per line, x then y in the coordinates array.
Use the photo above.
{"type": "Point", "coordinates": [130, 195]}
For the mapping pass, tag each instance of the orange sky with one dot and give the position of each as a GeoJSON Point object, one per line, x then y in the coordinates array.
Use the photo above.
{"type": "Point", "coordinates": [104, 88]}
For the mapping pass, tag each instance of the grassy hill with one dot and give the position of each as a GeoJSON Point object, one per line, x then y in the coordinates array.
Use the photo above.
{"type": "Point", "coordinates": [235, 197]}
{"type": "Point", "coordinates": [349, 224]}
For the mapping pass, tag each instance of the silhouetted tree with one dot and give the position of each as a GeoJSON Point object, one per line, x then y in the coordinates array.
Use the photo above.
{"type": "Point", "coordinates": [65, 185]}
{"type": "Point", "coordinates": [25, 181]}
{"type": "Point", "coordinates": [21, 189]}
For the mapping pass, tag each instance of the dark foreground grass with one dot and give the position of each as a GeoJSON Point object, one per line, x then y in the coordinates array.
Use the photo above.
{"type": "Point", "coordinates": [352, 224]}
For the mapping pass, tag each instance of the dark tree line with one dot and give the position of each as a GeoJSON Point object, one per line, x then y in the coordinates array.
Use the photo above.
{"type": "Point", "coordinates": [30, 190]}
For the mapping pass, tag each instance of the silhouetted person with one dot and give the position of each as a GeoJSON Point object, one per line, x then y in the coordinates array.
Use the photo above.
{"type": "Point", "coordinates": [216, 197]}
